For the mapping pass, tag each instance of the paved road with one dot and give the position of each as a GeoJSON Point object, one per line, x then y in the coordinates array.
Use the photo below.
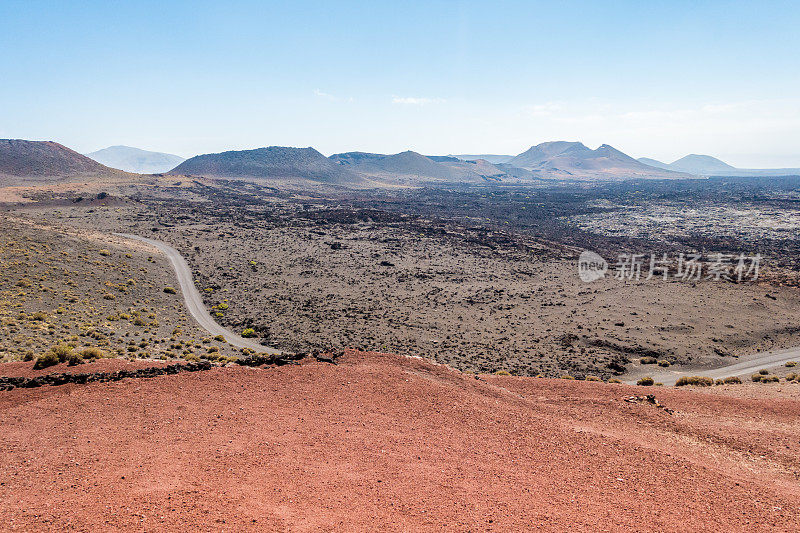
{"type": "Point", "coordinates": [744, 366]}
{"type": "Point", "coordinates": [194, 302]}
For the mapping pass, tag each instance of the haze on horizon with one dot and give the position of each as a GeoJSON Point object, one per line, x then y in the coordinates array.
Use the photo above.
{"type": "Point", "coordinates": [656, 80]}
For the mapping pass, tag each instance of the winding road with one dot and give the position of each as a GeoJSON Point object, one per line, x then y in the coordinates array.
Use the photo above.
{"type": "Point", "coordinates": [194, 302]}
{"type": "Point", "coordinates": [193, 299]}
{"type": "Point", "coordinates": [745, 366]}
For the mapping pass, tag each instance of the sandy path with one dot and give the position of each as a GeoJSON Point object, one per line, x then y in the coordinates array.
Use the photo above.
{"type": "Point", "coordinates": [193, 299]}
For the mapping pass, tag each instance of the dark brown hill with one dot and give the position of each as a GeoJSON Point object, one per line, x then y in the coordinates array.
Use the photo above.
{"type": "Point", "coordinates": [273, 162]}
{"type": "Point", "coordinates": [45, 160]}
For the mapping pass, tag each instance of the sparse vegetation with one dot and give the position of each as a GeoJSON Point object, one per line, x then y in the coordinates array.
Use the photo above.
{"type": "Point", "coordinates": [648, 360]}
{"type": "Point", "coordinates": [248, 333]}
{"type": "Point", "coordinates": [646, 382]}
{"type": "Point", "coordinates": [170, 290]}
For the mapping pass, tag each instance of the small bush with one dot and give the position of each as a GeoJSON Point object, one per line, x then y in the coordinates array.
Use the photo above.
{"type": "Point", "coordinates": [219, 338]}
{"type": "Point", "coordinates": [222, 307]}
{"type": "Point", "coordinates": [763, 372]}
{"type": "Point", "coordinates": [104, 252]}
{"type": "Point", "coordinates": [567, 376]}
{"type": "Point", "coordinates": [39, 316]}
{"type": "Point", "coordinates": [770, 379]}
{"type": "Point", "coordinates": [502, 373]}
{"type": "Point", "coordinates": [646, 382]}
{"type": "Point", "coordinates": [592, 378]}
{"type": "Point", "coordinates": [248, 332]}
{"type": "Point", "coordinates": [45, 360]}
{"type": "Point", "coordinates": [664, 363]}
{"type": "Point", "coordinates": [697, 381]}
{"type": "Point", "coordinates": [756, 378]}
{"type": "Point", "coordinates": [93, 353]}
{"type": "Point", "coordinates": [648, 360]}
{"type": "Point", "coordinates": [732, 380]}
{"type": "Point", "coordinates": [790, 364]}
{"type": "Point", "coordinates": [170, 290]}
{"type": "Point", "coordinates": [791, 376]}
{"type": "Point", "coordinates": [614, 380]}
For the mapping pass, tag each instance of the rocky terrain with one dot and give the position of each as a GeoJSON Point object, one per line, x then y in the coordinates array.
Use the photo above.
{"type": "Point", "coordinates": [324, 273]}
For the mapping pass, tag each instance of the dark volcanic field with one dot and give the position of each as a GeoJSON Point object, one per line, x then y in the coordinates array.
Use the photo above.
{"type": "Point", "coordinates": [483, 279]}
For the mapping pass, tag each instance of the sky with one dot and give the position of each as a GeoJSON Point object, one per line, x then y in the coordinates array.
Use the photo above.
{"type": "Point", "coordinates": [652, 78]}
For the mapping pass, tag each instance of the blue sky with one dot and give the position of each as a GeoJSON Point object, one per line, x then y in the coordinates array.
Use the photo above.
{"type": "Point", "coordinates": [652, 78]}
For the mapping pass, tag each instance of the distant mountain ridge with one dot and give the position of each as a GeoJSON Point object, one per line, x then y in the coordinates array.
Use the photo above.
{"type": "Point", "coordinates": [136, 160]}
{"type": "Point", "coordinates": [41, 161]}
{"type": "Point", "coordinates": [269, 162]}
{"type": "Point", "coordinates": [412, 168]}
{"type": "Point", "coordinates": [495, 159]}
{"type": "Point", "coordinates": [706, 165]}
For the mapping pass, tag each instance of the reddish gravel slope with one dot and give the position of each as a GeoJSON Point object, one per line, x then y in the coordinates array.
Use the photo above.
{"type": "Point", "coordinates": [387, 443]}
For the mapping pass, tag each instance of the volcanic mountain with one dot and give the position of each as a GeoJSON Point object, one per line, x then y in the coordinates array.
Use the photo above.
{"type": "Point", "coordinates": [135, 160]}
{"type": "Point", "coordinates": [573, 160]}
{"type": "Point", "coordinates": [40, 161]}
{"type": "Point", "coordinates": [413, 168]}
{"type": "Point", "coordinates": [273, 162]}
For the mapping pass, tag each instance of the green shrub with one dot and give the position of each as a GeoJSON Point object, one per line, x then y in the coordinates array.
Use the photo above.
{"type": "Point", "coordinates": [697, 381]}
{"type": "Point", "coordinates": [93, 353]}
{"type": "Point", "coordinates": [222, 307]}
{"type": "Point", "coordinates": [648, 360]}
{"type": "Point", "coordinates": [248, 332]}
{"type": "Point", "coordinates": [45, 360]}
{"type": "Point", "coordinates": [646, 382]}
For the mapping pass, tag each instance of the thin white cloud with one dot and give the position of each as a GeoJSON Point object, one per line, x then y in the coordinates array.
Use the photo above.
{"type": "Point", "coordinates": [543, 110]}
{"type": "Point", "coordinates": [410, 100]}
{"type": "Point", "coordinates": [331, 97]}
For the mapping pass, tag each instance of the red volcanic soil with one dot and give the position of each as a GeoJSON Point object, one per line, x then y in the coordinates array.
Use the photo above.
{"type": "Point", "coordinates": [381, 442]}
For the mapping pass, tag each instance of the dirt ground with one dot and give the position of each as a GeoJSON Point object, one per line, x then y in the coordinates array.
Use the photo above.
{"type": "Point", "coordinates": [396, 444]}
